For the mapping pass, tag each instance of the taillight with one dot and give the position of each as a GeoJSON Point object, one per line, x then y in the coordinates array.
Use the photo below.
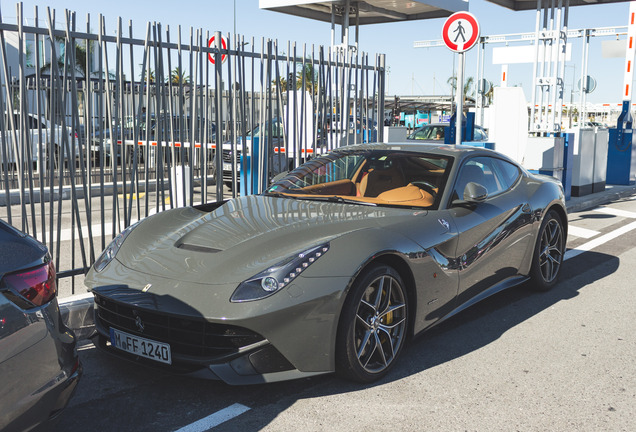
{"type": "Point", "coordinates": [36, 285]}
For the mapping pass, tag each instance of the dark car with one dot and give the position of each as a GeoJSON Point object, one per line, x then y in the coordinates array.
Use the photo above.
{"type": "Point", "coordinates": [39, 366]}
{"type": "Point", "coordinates": [434, 133]}
{"type": "Point", "coordinates": [332, 269]}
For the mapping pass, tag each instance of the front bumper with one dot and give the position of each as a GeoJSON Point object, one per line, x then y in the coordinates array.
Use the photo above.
{"type": "Point", "coordinates": [200, 348]}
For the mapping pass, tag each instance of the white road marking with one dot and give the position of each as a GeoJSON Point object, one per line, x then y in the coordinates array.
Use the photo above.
{"type": "Point", "coordinates": [599, 241]}
{"type": "Point", "coordinates": [215, 419]}
{"type": "Point", "coordinates": [616, 212]}
{"type": "Point", "coordinates": [581, 232]}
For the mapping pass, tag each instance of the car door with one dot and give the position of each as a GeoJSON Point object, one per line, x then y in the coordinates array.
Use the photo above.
{"type": "Point", "coordinates": [493, 234]}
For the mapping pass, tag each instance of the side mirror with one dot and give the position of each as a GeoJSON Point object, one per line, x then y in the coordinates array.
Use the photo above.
{"type": "Point", "coordinates": [475, 193]}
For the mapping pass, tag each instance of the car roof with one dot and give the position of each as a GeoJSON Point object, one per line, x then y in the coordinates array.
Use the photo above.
{"type": "Point", "coordinates": [456, 151]}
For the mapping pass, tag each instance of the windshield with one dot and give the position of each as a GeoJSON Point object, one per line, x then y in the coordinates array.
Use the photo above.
{"type": "Point", "coordinates": [373, 177]}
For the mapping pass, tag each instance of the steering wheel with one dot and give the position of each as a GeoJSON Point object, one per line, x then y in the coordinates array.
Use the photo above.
{"type": "Point", "coordinates": [426, 186]}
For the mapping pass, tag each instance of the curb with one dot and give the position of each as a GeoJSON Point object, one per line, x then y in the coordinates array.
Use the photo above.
{"type": "Point", "coordinates": [77, 310]}
{"type": "Point", "coordinates": [587, 202]}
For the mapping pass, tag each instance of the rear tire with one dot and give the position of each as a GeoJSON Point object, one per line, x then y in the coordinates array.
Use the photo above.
{"type": "Point", "coordinates": [373, 326]}
{"type": "Point", "coordinates": [548, 253]}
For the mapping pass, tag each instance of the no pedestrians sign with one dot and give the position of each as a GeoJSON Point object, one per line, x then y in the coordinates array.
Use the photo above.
{"type": "Point", "coordinates": [460, 31]}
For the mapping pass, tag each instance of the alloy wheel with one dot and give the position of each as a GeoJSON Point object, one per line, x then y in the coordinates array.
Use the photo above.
{"type": "Point", "coordinates": [551, 251]}
{"type": "Point", "coordinates": [380, 324]}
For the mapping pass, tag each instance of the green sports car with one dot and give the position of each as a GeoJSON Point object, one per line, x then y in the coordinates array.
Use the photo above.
{"type": "Point", "coordinates": [334, 268]}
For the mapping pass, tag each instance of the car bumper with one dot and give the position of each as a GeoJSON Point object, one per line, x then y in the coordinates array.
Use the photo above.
{"type": "Point", "coordinates": [289, 335]}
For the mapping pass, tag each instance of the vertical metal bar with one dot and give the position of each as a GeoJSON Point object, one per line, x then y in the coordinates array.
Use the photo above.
{"type": "Point", "coordinates": [193, 115]}
{"type": "Point", "coordinates": [563, 46]}
{"type": "Point", "coordinates": [136, 132]}
{"type": "Point", "coordinates": [535, 69]}
{"type": "Point", "coordinates": [88, 129]}
{"type": "Point", "coordinates": [100, 108]}
{"type": "Point", "coordinates": [301, 127]}
{"type": "Point", "coordinates": [12, 146]}
{"type": "Point", "coordinates": [583, 97]}
{"type": "Point", "coordinates": [218, 84]}
{"type": "Point", "coordinates": [145, 82]}
{"type": "Point", "coordinates": [24, 118]}
{"type": "Point", "coordinates": [231, 120]}
{"type": "Point", "coordinates": [168, 118]}
{"type": "Point", "coordinates": [72, 156]}
{"type": "Point", "coordinates": [41, 142]}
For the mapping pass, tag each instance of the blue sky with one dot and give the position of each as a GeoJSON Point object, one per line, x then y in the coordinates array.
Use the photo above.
{"type": "Point", "coordinates": [412, 70]}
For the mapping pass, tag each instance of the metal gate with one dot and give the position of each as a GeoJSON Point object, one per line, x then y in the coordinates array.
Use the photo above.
{"type": "Point", "coordinates": [99, 131]}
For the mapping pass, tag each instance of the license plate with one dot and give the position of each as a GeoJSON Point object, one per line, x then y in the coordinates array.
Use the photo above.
{"type": "Point", "coordinates": [142, 347]}
{"type": "Point", "coordinates": [227, 166]}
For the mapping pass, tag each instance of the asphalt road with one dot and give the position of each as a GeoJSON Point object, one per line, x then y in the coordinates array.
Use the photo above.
{"type": "Point", "coordinates": [564, 360]}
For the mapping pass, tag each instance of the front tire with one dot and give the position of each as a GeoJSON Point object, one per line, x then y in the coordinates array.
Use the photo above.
{"type": "Point", "coordinates": [548, 253]}
{"type": "Point", "coordinates": [373, 326]}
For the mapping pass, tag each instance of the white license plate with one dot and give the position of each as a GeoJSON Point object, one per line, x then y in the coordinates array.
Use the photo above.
{"type": "Point", "coordinates": [227, 166]}
{"type": "Point", "coordinates": [143, 347]}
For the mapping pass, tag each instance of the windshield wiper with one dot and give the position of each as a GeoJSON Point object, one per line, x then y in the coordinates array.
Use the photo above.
{"type": "Point", "coordinates": [337, 199]}
{"type": "Point", "coordinates": [278, 195]}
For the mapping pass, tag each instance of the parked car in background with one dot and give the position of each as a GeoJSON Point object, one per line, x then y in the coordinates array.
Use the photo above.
{"type": "Point", "coordinates": [161, 128]}
{"type": "Point", "coordinates": [43, 137]}
{"type": "Point", "coordinates": [39, 366]}
{"type": "Point", "coordinates": [435, 132]}
{"type": "Point", "coordinates": [332, 269]}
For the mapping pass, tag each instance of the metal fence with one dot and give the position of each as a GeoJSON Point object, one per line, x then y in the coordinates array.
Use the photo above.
{"type": "Point", "coordinates": [99, 131]}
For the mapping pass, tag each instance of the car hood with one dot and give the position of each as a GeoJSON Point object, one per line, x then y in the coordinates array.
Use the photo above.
{"type": "Point", "coordinates": [242, 237]}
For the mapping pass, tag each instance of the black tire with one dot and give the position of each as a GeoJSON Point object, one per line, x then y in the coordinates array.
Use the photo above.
{"type": "Point", "coordinates": [375, 315]}
{"type": "Point", "coordinates": [548, 253]}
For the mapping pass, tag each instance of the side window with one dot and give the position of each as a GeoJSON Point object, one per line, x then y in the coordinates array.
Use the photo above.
{"type": "Point", "coordinates": [419, 134]}
{"type": "Point", "coordinates": [438, 133]}
{"type": "Point", "coordinates": [481, 170]}
{"type": "Point", "coordinates": [507, 173]}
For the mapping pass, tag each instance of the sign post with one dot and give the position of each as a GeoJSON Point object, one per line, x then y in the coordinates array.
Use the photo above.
{"type": "Point", "coordinates": [460, 33]}
{"type": "Point", "coordinates": [223, 45]}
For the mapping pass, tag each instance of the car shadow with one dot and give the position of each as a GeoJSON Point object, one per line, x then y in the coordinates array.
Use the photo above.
{"type": "Point", "coordinates": [460, 335]}
{"type": "Point", "coordinates": [168, 402]}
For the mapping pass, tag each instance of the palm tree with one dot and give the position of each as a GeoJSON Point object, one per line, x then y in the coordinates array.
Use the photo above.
{"type": "Point", "coordinates": [490, 94]}
{"type": "Point", "coordinates": [80, 59]}
{"type": "Point", "coordinates": [178, 77]}
{"type": "Point", "coordinates": [281, 83]}
{"type": "Point", "coordinates": [311, 78]}
{"type": "Point", "coordinates": [147, 76]}
{"type": "Point", "coordinates": [468, 85]}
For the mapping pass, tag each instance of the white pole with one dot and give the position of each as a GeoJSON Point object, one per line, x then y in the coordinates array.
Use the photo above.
{"type": "Point", "coordinates": [459, 99]}
{"type": "Point", "coordinates": [630, 52]}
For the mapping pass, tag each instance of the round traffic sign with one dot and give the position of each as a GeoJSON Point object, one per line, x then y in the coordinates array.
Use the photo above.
{"type": "Point", "coordinates": [590, 84]}
{"type": "Point", "coordinates": [460, 31]}
{"type": "Point", "coordinates": [223, 46]}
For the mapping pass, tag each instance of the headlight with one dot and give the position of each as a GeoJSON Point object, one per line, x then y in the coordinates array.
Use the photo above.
{"type": "Point", "coordinates": [109, 253]}
{"type": "Point", "coordinates": [277, 277]}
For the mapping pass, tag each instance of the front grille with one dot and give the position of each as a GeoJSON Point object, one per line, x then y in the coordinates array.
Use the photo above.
{"type": "Point", "coordinates": [187, 336]}
{"type": "Point", "coordinates": [227, 156]}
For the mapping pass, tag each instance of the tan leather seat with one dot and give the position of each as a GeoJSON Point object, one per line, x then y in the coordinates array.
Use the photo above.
{"type": "Point", "coordinates": [407, 195]}
{"type": "Point", "coordinates": [381, 180]}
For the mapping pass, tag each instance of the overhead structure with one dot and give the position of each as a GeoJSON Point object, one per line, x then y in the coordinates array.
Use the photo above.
{"type": "Point", "coordinates": [369, 11]}
{"type": "Point", "coordinates": [519, 5]}
{"type": "Point", "coordinates": [361, 12]}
